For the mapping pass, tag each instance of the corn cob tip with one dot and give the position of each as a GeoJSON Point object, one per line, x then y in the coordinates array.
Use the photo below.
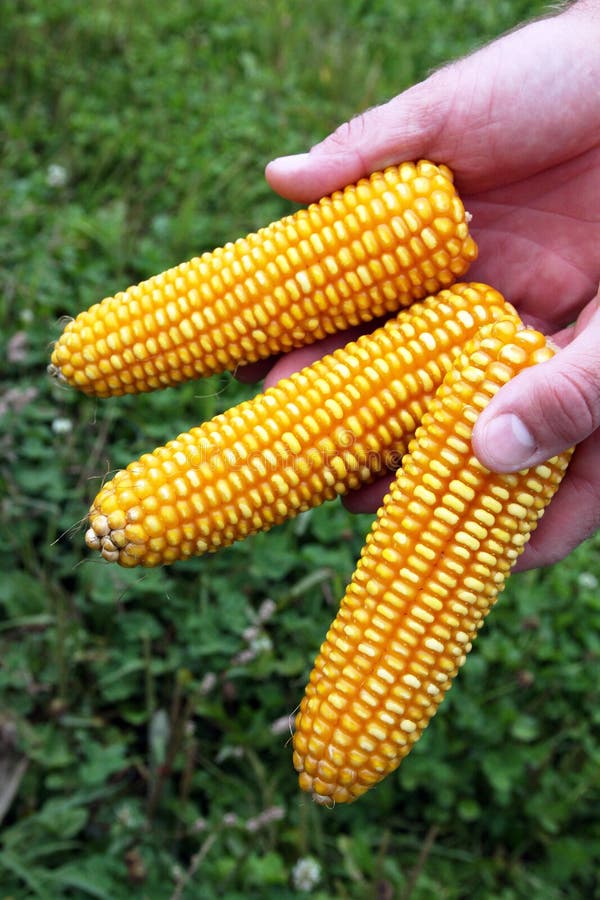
{"type": "Point", "coordinates": [438, 555]}
{"type": "Point", "coordinates": [360, 253]}
{"type": "Point", "coordinates": [110, 541]}
{"type": "Point", "coordinates": [327, 429]}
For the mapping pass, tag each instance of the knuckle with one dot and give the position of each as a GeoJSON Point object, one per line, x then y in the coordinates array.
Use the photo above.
{"type": "Point", "coordinates": [576, 399]}
{"type": "Point", "coordinates": [348, 138]}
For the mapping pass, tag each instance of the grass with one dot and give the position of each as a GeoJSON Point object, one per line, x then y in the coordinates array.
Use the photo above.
{"type": "Point", "coordinates": [144, 744]}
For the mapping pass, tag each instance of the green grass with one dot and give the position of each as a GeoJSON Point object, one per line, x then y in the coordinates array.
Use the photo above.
{"type": "Point", "coordinates": [144, 704]}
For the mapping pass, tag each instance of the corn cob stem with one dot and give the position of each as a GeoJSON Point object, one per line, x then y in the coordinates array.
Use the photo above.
{"type": "Point", "coordinates": [326, 430]}
{"type": "Point", "coordinates": [439, 553]}
{"type": "Point", "coordinates": [378, 245]}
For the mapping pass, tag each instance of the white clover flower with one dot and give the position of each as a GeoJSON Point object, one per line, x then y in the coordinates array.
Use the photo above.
{"type": "Point", "coordinates": [266, 609]}
{"type": "Point", "coordinates": [261, 644]}
{"type": "Point", "coordinates": [251, 633]}
{"type": "Point", "coordinates": [230, 820]}
{"type": "Point", "coordinates": [306, 874]}
{"type": "Point", "coordinates": [56, 176]}
{"type": "Point", "coordinates": [244, 657]}
{"type": "Point", "coordinates": [177, 872]}
{"type": "Point", "coordinates": [124, 816]}
{"type": "Point", "coordinates": [208, 683]}
{"type": "Point", "coordinates": [229, 752]}
{"type": "Point", "coordinates": [61, 425]}
{"type": "Point", "coordinates": [587, 581]}
{"type": "Point", "coordinates": [16, 399]}
{"type": "Point", "coordinates": [16, 350]}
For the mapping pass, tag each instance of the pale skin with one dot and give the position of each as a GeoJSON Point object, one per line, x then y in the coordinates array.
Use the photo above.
{"type": "Point", "coordinates": [519, 123]}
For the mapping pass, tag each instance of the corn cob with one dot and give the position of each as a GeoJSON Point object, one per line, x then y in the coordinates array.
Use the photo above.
{"type": "Point", "coordinates": [321, 432]}
{"type": "Point", "coordinates": [393, 238]}
{"type": "Point", "coordinates": [439, 552]}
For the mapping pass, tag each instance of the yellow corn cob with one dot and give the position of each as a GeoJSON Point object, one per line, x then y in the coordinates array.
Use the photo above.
{"type": "Point", "coordinates": [319, 433]}
{"type": "Point", "coordinates": [378, 245]}
{"type": "Point", "coordinates": [438, 554]}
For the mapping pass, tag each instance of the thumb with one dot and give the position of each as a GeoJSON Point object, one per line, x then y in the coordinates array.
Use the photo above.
{"type": "Point", "coordinates": [545, 409]}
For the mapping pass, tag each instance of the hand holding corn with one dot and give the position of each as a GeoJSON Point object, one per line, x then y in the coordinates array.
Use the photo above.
{"type": "Point", "coordinates": [525, 149]}
{"type": "Point", "coordinates": [449, 531]}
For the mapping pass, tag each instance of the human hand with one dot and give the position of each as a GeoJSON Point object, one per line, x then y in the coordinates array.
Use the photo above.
{"type": "Point", "coordinates": [519, 124]}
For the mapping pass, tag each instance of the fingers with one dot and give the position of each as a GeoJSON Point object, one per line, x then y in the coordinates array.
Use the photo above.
{"type": "Point", "coordinates": [292, 362]}
{"type": "Point", "coordinates": [469, 117]}
{"type": "Point", "coordinates": [253, 372]}
{"type": "Point", "coordinates": [571, 518]}
{"type": "Point", "coordinates": [540, 413]}
{"type": "Point", "coordinates": [574, 513]}
{"type": "Point", "coordinates": [368, 499]}
{"type": "Point", "coordinates": [545, 409]}
{"type": "Point", "coordinates": [403, 128]}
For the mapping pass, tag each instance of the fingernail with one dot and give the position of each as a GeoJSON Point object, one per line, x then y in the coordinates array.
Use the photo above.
{"type": "Point", "coordinates": [509, 445]}
{"type": "Point", "coordinates": [289, 164]}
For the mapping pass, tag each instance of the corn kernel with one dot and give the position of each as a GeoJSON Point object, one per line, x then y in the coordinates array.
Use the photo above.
{"type": "Point", "coordinates": [426, 640]}
{"type": "Point", "coordinates": [240, 461]}
{"type": "Point", "coordinates": [260, 295]}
